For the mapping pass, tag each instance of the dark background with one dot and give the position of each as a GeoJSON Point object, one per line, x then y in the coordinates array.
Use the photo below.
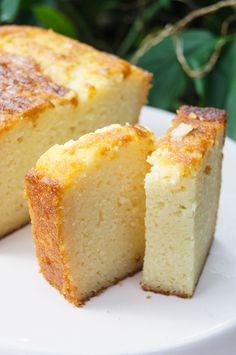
{"type": "Point", "coordinates": [205, 74]}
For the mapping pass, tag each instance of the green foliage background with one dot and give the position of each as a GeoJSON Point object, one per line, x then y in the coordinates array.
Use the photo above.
{"type": "Point", "coordinates": [121, 26]}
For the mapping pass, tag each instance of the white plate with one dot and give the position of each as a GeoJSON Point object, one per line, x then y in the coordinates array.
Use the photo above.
{"type": "Point", "coordinates": [35, 318]}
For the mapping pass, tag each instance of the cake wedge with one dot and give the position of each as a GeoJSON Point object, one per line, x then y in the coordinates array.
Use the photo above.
{"type": "Point", "coordinates": [182, 194]}
{"type": "Point", "coordinates": [87, 206]}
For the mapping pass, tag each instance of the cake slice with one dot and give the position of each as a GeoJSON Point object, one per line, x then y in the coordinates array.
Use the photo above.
{"type": "Point", "coordinates": [53, 89]}
{"type": "Point", "coordinates": [182, 194]}
{"type": "Point", "coordinates": [87, 206]}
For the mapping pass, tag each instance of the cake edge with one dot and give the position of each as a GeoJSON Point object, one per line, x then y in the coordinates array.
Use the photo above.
{"type": "Point", "coordinates": [45, 195]}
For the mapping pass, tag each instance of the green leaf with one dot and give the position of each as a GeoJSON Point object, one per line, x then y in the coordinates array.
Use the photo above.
{"type": "Point", "coordinates": [135, 30]}
{"type": "Point", "coordinates": [170, 81]}
{"type": "Point", "coordinates": [197, 55]}
{"type": "Point", "coordinates": [106, 5]}
{"type": "Point", "coordinates": [54, 19]}
{"type": "Point", "coordinates": [151, 10]}
{"type": "Point", "coordinates": [221, 86]}
{"type": "Point", "coordinates": [91, 8]}
{"type": "Point", "coordinates": [130, 38]}
{"type": "Point", "coordinates": [199, 83]}
{"type": "Point", "coordinates": [9, 10]}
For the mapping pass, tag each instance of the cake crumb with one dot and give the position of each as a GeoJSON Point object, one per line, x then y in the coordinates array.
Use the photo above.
{"type": "Point", "coordinates": [181, 131]}
{"type": "Point", "coordinates": [148, 297]}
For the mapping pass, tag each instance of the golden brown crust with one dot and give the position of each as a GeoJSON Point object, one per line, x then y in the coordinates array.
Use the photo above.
{"type": "Point", "coordinates": [210, 114]}
{"type": "Point", "coordinates": [65, 161]}
{"type": "Point", "coordinates": [106, 139]}
{"type": "Point", "coordinates": [187, 151]}
{"type": "Point", "coordinates": [45, 210]}
{"type": "Point", "coordinates": [63, 50]}
{"type": "Point", "coordinates": [24, 91]}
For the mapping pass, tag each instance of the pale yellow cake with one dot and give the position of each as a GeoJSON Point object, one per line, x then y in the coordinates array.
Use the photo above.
{"type": "Point", "coordinates": [52, 89]}
{"type": "Point", "coordinates": [182, 194]}
{"type": "Point", "coordinates": [87, 206]}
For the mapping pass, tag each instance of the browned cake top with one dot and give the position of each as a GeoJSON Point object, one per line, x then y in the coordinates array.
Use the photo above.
{"type": "Point", "coordinates": [68, 62]}
{"type": "Point", "coordinates": [209, 114]}
{"type": "Point", "coordinates": [64, 162]}
{"type": "Point", "coordinates": [51, 49]}
{"type": "Point", "coordinates": [23, 88]}
{"type": "Point", "coordinates": [37, 65]}
{"type": "Point", "coordinates": [194, 130]}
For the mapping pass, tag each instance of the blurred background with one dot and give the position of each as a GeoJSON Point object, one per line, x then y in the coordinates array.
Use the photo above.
{"type": "Point", "coordinates": [189, 45]}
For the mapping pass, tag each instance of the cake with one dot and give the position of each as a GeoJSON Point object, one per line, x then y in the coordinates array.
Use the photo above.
{"type": "Point", "coordinates": [53, 89]}
{"type": "Point", "coordinates": [87, 207]}
{"type": "Point", "coordinates": [182, 194]}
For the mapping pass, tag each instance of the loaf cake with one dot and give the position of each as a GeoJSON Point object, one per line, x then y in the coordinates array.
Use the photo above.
{"type": "Point", "coordinates": [182, 194]}
{"type": "Point", "coordinates": [53, 89]}
{"type": "Point", "coordinates": [87, 207]}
